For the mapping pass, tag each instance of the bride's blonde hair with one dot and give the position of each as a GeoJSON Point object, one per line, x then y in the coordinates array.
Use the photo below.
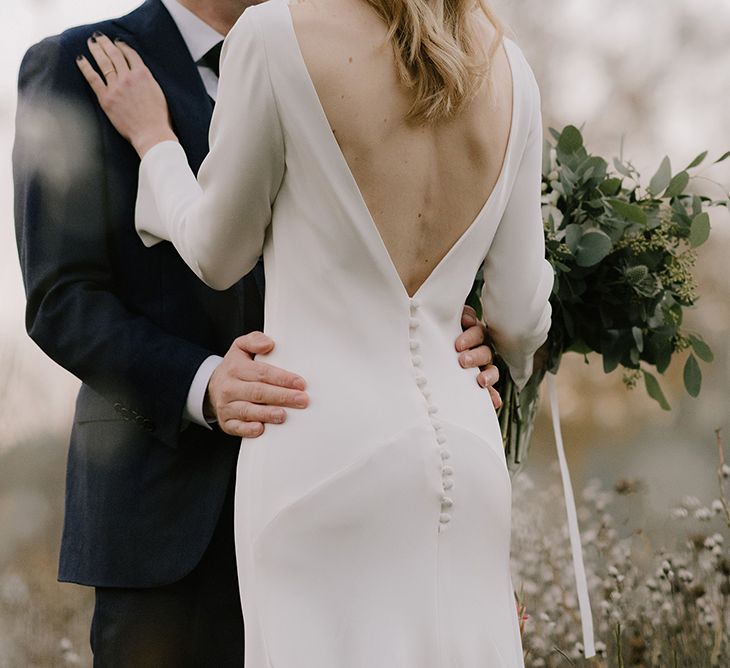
{"type": "Point", "coordinates": [438, 52]}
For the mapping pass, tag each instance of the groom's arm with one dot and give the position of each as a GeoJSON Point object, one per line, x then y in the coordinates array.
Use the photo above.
{"type": "Point", "coordinates": [61, 214]}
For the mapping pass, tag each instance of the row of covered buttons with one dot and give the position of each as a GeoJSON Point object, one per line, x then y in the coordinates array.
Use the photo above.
{"type": "Point", "coordinates": [446, 470]}
{"type": "Point", "coordinates": [131, 415]}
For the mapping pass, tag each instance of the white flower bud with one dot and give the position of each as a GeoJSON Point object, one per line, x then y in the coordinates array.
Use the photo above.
{"type": "Point", "coordinates": [703, 514]}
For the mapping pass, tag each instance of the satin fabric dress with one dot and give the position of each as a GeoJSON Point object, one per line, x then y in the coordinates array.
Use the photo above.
{"type": "Point", "coordinates": [373, 528]}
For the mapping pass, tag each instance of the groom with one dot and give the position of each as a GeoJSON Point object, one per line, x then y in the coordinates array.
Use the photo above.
{"type": "Point", "coordinates": [151, 464]}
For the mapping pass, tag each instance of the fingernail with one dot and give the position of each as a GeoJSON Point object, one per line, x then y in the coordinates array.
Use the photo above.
{"type": "Point", "coordinates": [470, 319]}
{"type": "Point", "coordinates": [278, 416]}
{"type": "Point", "coordinates": [299, 384]}
{"type": "Point", "coordinates": [300, 400]}
{"type": "Point", "coordinates": [79, 57]}
{"type": "Point", "coordinates": [96, 33]}
{"type": "Point", "coordinates": [118, 39]}
{"type": "Point", "coordinates": [468, 360]}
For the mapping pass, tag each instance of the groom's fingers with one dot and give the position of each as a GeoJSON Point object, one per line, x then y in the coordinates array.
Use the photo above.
{"type": "Point", "coordinates": [245, 411]}
{"type": "Point", "coordinates": [468, 317]}
{"type": "Point", "coordinates": [242, 429]}
{"type": "Point", "coordinates": [260, 372]}
{"type": "Point", "coordinates": [257, 343]}
{"type": "Point", "coordinates": [269, 395]}
{"type": "Point", "coordinates": [476, 357]}
{"type": "Point", "coordinates": [471, 337]}
{"type": "Point", "coordinates": [489, 376]}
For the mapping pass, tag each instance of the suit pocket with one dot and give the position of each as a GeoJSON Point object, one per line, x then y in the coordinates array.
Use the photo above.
{"type": "Point", "coordinates": [93, 407]}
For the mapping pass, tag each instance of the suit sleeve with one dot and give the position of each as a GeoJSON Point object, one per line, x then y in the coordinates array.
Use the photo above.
{"type": "Point", "coordinates": [218, 222]}
{"type": "Point", "coordinates": [518, 280]}
{"type": "Point", "coordinates": [61, 177]}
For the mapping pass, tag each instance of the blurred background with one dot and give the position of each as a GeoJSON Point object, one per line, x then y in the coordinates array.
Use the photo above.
{"type": "Point", "coordinates": [640, 79]}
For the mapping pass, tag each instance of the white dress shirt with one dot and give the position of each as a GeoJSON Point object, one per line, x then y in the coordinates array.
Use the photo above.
{"type": "Point", "coordinates": [200, 38]}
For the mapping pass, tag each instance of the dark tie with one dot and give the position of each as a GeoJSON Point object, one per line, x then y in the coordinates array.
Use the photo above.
{"type": "Point", "coordinates": [212, 59]}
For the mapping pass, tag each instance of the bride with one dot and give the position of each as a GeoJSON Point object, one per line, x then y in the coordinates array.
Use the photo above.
{"type": "Point", "coordinates": [377, 152]}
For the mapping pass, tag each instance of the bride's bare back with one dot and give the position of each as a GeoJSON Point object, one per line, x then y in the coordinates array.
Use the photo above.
{"type": "Point", "coordinates": [423, 184]}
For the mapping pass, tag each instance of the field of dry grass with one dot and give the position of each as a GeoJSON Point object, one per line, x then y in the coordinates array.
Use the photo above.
{"type": "Point", "coordinates": [43, 623]}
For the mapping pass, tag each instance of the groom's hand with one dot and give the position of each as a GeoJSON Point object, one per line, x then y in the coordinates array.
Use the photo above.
{"type": "Point", "coordinates": [474, 352]}
{"type": "Point", "coordinates": [244, 394]}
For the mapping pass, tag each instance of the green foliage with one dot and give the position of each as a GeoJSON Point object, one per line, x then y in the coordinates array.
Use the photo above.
{"type": "Point", "coordinates": [623, 258]}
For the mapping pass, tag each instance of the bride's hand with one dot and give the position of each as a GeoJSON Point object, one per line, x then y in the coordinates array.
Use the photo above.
{"type": "Point", "coordinates": [128, 93]}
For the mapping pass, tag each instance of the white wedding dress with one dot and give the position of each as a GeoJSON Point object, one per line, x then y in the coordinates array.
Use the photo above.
{"type": "Point", "coordinates": [372, 528]}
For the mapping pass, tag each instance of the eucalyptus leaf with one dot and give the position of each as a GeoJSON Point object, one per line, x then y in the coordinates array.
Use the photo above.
{"type": "Point", "coordinates": [570, 140]}
{"type": "Point", "coordinates": [692, 376]}
{"type": "Point", "coordinates": [592, 248]}
{"type": "Point", "coordinates": [573, 234]}
{"type": "Point", "coordinates": [610, 186]}
{"type": "Point", "coordinates": [724, 156]}
{"type": "Point", "coordinates": [663, 350]}
{"type": "Point", "coordinates": [677, 184]}
{"type": "Point", "coordinates": [700, 229]}
{"type": "Point", "coordinates": [696, 205]}
{"type": "Point", "coordinates": [697, 161]}
{"type": "Point", "coordinates": [701, 349]}
{"type": "Point", "coordinates": [631, 212]}
{"type": "Point", "coordinates": [655, 391]}
{"type": "Point", "coordinates": [661, 179]}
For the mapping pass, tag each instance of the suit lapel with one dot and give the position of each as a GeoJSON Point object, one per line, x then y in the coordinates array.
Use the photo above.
{"type": "Point", "coordinates": [164, 51]}
{"type": "Point", "coordinates": [152, 31]}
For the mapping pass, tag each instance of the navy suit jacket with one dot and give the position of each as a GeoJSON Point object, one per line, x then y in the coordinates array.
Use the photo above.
{"type": "Point", "coordinates": [143, 491]}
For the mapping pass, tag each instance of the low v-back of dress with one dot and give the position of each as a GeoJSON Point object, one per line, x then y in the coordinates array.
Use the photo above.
{"type": "Point", "coordinates": [372, 528]}
{"type": "Point", "coordinates": [329, 143]}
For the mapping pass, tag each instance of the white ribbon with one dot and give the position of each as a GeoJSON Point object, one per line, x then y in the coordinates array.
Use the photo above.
{"type": "Point", "coordinates": [575, 545]}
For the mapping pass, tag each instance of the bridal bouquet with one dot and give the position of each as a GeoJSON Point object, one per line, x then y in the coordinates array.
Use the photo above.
{"type": "Point", "coordinates": [623, 255]}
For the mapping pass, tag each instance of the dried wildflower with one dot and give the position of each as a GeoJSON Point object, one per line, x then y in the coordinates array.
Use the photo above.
{"type": "Point", "coordinates": [668, 603]}
{"type": "Point", "coordinates": [703, 514]}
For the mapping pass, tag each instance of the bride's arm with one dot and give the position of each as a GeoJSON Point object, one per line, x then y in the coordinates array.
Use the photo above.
{"type": "Point", "coordinates": [218, 221]}
{"type": "Point", "coordinates": [518, 279]}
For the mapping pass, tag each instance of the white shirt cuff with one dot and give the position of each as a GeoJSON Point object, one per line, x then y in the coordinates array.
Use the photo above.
{"type": "Point", "coordinates": [193, 411]}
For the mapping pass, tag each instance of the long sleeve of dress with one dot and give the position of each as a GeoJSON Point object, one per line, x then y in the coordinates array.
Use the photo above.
{"type": "Point", "coordinates": [518, 279]}
{"type": "Point", "coordinates": [218, 222]}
